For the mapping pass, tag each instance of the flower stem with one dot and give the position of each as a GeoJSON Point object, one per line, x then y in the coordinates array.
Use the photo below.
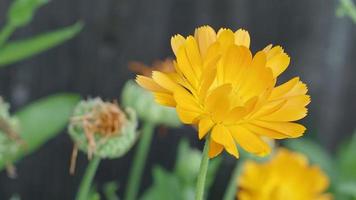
{"type": "Point", "coordinates": [85, 185]}
{"type": "Point", "coordinates": [139, 162]}
{"type": "Point", "coordinates": [199, 193]}
{"type": "Point", "coordinates": [230, 192]}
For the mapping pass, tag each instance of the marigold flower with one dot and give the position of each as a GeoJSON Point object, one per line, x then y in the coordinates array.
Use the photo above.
{"type": "Point", "coordinates": [221, 87]}
{"type": "Point", "coordinates": [287, 176]}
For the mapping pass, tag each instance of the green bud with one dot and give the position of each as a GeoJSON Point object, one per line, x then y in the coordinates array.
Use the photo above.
{"type": "Point", "coordinates": [146, 108]}
{"type": "Point", "coordinates": [9, 127]}
{"type": "Point", "coordinates": [102, 129]}
{"type": "Point", "coordinates": [21, 11]}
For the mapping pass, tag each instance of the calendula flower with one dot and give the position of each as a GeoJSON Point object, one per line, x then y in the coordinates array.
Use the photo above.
{"type": "Point", "coordinates": [287, 176]}
{"type": "Point", "coordinates": [221, 87]}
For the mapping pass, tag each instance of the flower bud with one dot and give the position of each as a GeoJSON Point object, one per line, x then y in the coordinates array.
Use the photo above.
{"type": "Point", "coordinates": [146, 108]}
{"type": "Point", "coordinates": [102, 129]}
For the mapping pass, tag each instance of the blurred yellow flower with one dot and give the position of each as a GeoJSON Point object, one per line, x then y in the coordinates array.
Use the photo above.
{"type": "Point", "coordinates": [221, 87]}
{"type": "Point", "coordinates": [286, 176]}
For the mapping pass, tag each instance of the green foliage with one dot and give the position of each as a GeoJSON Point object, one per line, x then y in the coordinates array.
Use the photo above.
{"type": "Point", "coordinates": [110, 190]}
{"type": "Point", "coordinates": [347, 8]}
{"type": "Point", "coordinates": [347, 160]}
{"type": "Point", "coordinates": [180, 184]}
{"type": "Point", "coordinates": [21, 11]}
{"type": "Point", "coordinates": [42, 120]}
{"type": "Point", "coordinates": [15, 51]}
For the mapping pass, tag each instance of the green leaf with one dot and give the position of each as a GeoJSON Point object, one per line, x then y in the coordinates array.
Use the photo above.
{"type": "Point", "coordinates": [18, 50]}
{"type": "Point", "coordinates": [315, 153]}
{"type": "Point", "coordinates": [165, 186]}
{"type": "Point", "coordinates": [187, 163]}
{"type": "Point", "coordinates": [42, 120]}
{"type": "Point", "coordinates": [347, 160]}
{"type": "Point", "coordinates": [21, 11]}
{"type": "Point", "coordinates": [110, 189]}
{"type": "Point", "coordinates": [347, 188]}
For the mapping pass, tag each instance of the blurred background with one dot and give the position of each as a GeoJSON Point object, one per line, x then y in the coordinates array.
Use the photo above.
{"type": "Point", "coordinates": [95, 63]}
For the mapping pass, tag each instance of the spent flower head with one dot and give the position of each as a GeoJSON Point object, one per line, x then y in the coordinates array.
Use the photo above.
{"type": "Point", "coordinates": [10, 141]}
{"type": "Point", "coordinates": [221, 87]}
{"type": "Point", "coordinates": [102, 129]}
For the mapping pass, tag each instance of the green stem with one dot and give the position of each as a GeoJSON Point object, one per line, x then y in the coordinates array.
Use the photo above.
{"type": "Point", "coordinates": [5, 33]}
{"type": "Point", "coordinates": [85, 185]}
{"type": "Point", "coordinates": [199, 193]}
{"type": "Point", "coordinates": [231, 188]}
{"type": "Point", "coordinates": [139, 162]}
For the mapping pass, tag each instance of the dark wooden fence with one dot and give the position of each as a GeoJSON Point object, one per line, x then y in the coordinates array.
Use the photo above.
{"type": "Point", "coordinates": [322, 47]}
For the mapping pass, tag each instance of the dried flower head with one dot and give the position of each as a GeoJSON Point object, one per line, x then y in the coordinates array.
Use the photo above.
{"type": "Point", "coordinates": [102, 128]}
{"type": "Point", "coordinates": [10, 141]}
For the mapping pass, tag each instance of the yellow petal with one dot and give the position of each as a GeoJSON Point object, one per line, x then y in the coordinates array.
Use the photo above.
{"type": "Point", "coordinates": [235, 115]}
{"type": "Point", "coordinates": [277, 60]}
{"type": "Point", "coordinates": [249, 141]}
{"type": "Point", "coordinates": [287, 113]}
{"type": "Point", "coordinates": [193, 54]}
{"type": "Point", "coordinates": [185, 67]}
{"type": "Point", "coordinates": [283, 89]}
{"type": "Point", "coordinates": [164, 80]}
{"type": "Point", "coordinates": [165, 99]}
{"type": "Point", "coordinates": [205, 125]}
{"type": "Point", "coordinates": [226, 38]}
{"type": "Point", "coordinates": [218, 103]}
{"type": "Point", "coordinates": [149, 84]}
{"type": "Point", "coordinates": [222, 136]}
{"type": "Point", "coordinates": [187, 116]}
{"type": "Point", "coordinates": [242, 38]}
{"type": "Point", "coordinates": [205, 36]}
{"type": "Point", "coordinates": [214, 149]}
{"type": "Point", "coordinates": [176, 42]}
{"type": "Point", "coordinates": [233, 64]}
{"type": "Point", "coordinates": [262, 131]}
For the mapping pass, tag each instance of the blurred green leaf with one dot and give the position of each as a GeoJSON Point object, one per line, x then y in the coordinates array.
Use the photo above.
{"type": "Point", "coordinates": [42, 120]}
{"type": "Point", "coordinates": [315, 153]}
{"type": "Point", "coordinates": [347, 188]}
{"type": "Point", "coordinates": [214, 165]}
{"type": "Point", "coordinates": [110, 189]}
{"type": "Point", "coordinates": [21, 11]}
{"type": "Point", "coordinates": [18, 50]}
{"type": "Point", "coordinates": [347, 160]}
{"type": "Point", "coordinates": [187, 162]}
{"type": "Point", "coordinates": [347, 8]}
{"type": "Point", "coordinates": [165, 186]}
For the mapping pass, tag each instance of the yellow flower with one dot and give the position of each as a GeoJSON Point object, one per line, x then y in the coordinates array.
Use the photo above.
{"type": "Point", "coordinates": [221, 87]}
{"type": "Point", "coordinates": [286, 176]}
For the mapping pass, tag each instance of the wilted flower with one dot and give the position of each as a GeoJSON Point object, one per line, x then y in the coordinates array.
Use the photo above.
{"type": "Point", "coordinates": [10, 141]}
{"type": "Point", "coordinates": [287, 176]}
{"type": "Point", "coordinates": [221, 87]}
{"type": "Point", "coordinates": [143, 102]}
{"type": "Point", "coordinates": [102, 128]}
